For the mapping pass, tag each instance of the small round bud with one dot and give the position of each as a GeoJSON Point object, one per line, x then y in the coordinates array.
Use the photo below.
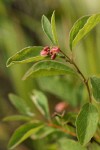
{"type": "Point", "coordinates": [53, 56]}
{"type": "Point", "coordinates": [54, 50]}
{"type": "Point", "coordinates": [60, 107]}
{"type": "Point", "coordinates": [45, 51]}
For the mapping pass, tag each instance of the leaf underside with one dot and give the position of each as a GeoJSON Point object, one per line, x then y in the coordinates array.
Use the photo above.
{"type": "Point", "coordinates": [48, 68]}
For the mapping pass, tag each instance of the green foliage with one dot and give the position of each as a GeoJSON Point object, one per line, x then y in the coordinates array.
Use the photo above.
{"type": "Point", "coordinates": [20, 104]}
{"type": "Point", "coordinates": [22, 133]}
{"type": "Point", "coordinates": [82, 27]}
{"type": "Point", "coordinates": [41, 103]}
{"type": "Point", "coordinates": [47, 28]}
{"type": "Point", "coordinates": [66, 144]}
{"type": "Point", "coordinates": [86, 123]}
{"type": "Point", "coordinates": [95, 81]}
{"type": "Point", "coordinates": [48, 68]}
{"type": "Point", "coordinates": [17, 118]}
{"type": "Point", "coordinates": [53, 27]}
{"type": "Point", "coordinates": [26, 55]}
{"type": "Point", "coordinates": [62, 126]}
{"type": "Point", "coordinates": [50, 28]}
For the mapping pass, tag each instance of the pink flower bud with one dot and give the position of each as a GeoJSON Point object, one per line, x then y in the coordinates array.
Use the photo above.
{"type": "Point", "coordinates": [45, 51]}
{"type": "Point", "coordinates": [54, 50]}
{"type": "Point", "coordinates": [60, 107]}
{"type": "Point", "coordinates": [53, 56]}
{"type": "Point", "coordinates": [46, 48]}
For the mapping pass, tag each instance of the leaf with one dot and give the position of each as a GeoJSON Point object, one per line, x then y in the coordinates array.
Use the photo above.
{"type": "Point", "coordinates": [95, 81]}
{"type": "Point", "coordinates": [17, 118]}
{"type": "Point", "coordinates": [44, 132]}
{"type": "Point", "coordinates": [26, 55]}
{"type": "Point", "coordinates": [53, 27]}
{"type": "Point", "coordinates": [22, 133]}
{"type": "Point", "coordinates": [86, 123]}
{"type": "Point", "coordinates": [46, 26]}
{"type": "Point", "coordinates": [82, 27]}
{"type": "Point", "coordinates": [70, 117]}
{"type": "Point", "coordinates": [48, 68]}
{"type": "Point", "coordinates": [40, 100]}
{"type": "Point", "coordinates": [66, 144]}
{"type": "Point", "coordinates": [20, 104]}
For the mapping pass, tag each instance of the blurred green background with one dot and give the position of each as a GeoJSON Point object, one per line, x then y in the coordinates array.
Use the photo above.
{"type": "Point", "coordinates": [20, 26]}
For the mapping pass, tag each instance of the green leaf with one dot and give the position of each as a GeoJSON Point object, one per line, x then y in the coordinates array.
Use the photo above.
{"type": "Point", "coordinates": [70, 117]}
{"type": "Point", "coordinates": [82, 27]}
{"type": "Point", "coordinates": [43, 132]}
{"type": "Point", "coordinates": [86, 123]}
{"type": "Point", "coordinates": [53, 27]}
{"type": "Point", "coordinates": [46, 26]}
{"type": "Point", "coordinates": [26, 55]}
{"type": "Point", "coordinates": [66, 144]}
{"type": "Point", "coordinates": [22, 133]}
{"type": "Point", "coordinates": [48, 68]}
{"type": "Point", "coordinates": [20, 104]}
{"type": "Point", "coordinates": [40, 100]}
{"type": "Point", "coordinates": [17, 118]}
{"type": "Point", "coordinates": [95, 81]}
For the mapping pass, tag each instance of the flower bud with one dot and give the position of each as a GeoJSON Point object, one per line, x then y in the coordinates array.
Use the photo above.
{"type": "Point", "coordinates": [54, 50]}
{"type": "Point", "coordinates": [45, 51]}
{"type": "Point", "coordinates": [53, 56]}
{"type": "Point", "coordinates": [61, 106]}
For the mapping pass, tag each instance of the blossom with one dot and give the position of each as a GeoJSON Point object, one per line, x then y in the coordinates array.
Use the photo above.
{"type": "Point", "coordinates": [45, 51]}
{"type": "Point", "coordinates": [54, 51]}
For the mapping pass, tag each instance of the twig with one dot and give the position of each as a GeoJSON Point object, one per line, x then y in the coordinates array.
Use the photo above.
{"type": "Point", "coordinates": [80, 73]}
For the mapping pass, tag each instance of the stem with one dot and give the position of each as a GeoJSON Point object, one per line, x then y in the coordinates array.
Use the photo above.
{"type": "Point", "coordinates": [80, 73]}
{"type": "Point", "coordinates": [84, 80]}
{"type": "Point", "coordinates": [62, 129]}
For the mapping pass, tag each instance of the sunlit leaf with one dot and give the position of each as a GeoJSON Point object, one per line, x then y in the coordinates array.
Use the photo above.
{"type": "Point", "coordinates": [47, 28]}
{"type": "Point", "coordinates": [22, 133]}
{"type": "Point", "coordinates": [41, 102]}
{"type": "Point", "coordinates": [17, 118]}
{"type": "Point", "coordinates": [86, 123]}
{"type": "Point", "coordinates": [95, 81]}
{"type": "Point", "coordinates": [20, 105]}
{"type": "Point", "coordinates": [82, 27]}
{"type": "Point", "coordinates": [26, 55]}
{"type": "Point", "coordinates": [53, 27]}
{"type": "Point", "coordinates": [48, 68]}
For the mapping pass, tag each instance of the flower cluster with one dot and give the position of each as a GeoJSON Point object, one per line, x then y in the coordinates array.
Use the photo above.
{"type": "Point", "coordinates": [50, 52]}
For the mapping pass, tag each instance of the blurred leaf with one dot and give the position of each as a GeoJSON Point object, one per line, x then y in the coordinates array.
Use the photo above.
{"type": "Point", "coordinates": [66, 144]}
{"type": "Point", "coordinates": [97, 105]}
{"type": "Point", "coordinates": [48, 68]}
{"type": "Point", "coordinates": [70, 117]}
{"type": "Point", "coordinates": [95, 81]}
{"type": "Point", "coordinates": [22, 133]}
{"type": "Point", "coordinates": [17, 118]}
{"type": "Point", "coordinates": [82, 27]}
{"type": "Point", "coordinates": [47, 28]}
{"type": "Point", "coordinates": [86, 123]}
{"type": "Point", "coordinates": [43, 132]}
{"type": "Point", "coordinates": [64, 88]}
{"type": "Point", "coordinates": [41, 102]}
{"type": "Point", "coordinates": [52, 146]}
{"type": "Point", "coordinates": [94, 146]}
{"type": "Point", "coordinates": [53, 27]}
{"type": "Point", "coordinates": [20, 104]}
{"type": "Point", "coordinates": [26, 55]}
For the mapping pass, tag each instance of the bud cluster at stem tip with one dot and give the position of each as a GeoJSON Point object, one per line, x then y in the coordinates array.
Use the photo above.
{"type": "Point", "coordinates": [50, 52]}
